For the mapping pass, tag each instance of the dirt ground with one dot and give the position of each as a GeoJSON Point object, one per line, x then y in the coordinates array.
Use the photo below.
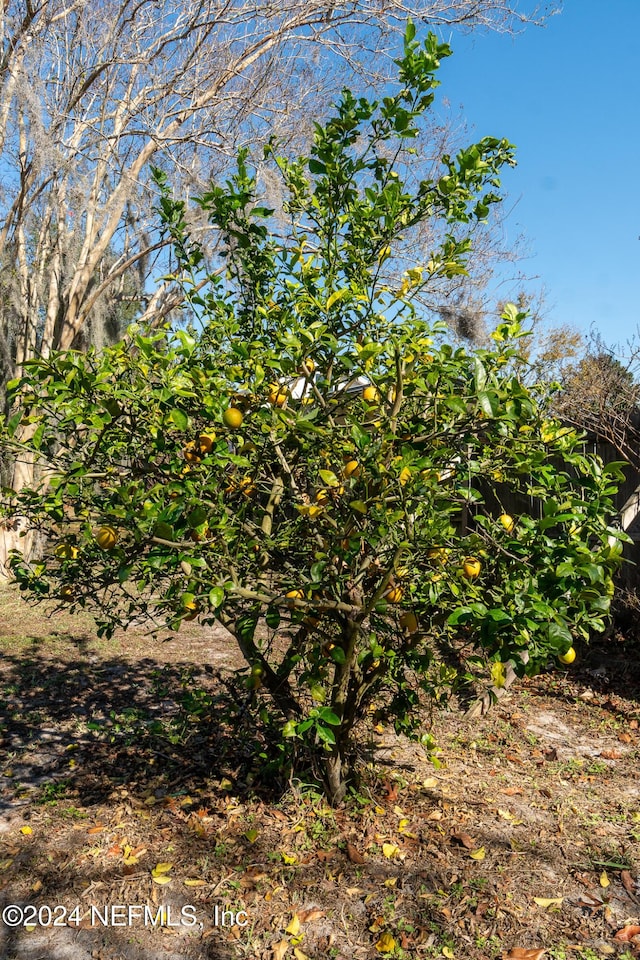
{"type": "Point", "coordinates": [135, 823]}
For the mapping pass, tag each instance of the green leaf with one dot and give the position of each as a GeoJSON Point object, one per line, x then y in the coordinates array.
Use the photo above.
{"type": "Point", "coordinates": [329, 478]}
{"type": "Point", "coordinates": [326, 734]}
{"type": "Point", "coordinates": [216, 597]}
{"type": "Point", "coordinates": [246, 627]}
{"type": "Point", "coordinates": [180, 418]}
{"type": "Point", "coordinates": [164, 531]}
{"type": "Point", "coordinates": [272, 618]}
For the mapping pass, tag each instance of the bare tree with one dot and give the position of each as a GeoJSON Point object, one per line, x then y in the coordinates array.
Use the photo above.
{"type": "Point", "coordinates": [92, 90]}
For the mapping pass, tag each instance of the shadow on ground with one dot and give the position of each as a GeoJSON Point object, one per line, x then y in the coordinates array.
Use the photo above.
{"type": "Point", "coordinates": [82, 729]}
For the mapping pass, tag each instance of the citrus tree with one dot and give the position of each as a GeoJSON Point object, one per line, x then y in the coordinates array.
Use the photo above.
{"type": "Point", "coordinates": [311, 463]}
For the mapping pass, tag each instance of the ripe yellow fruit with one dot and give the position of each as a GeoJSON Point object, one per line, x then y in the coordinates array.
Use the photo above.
{"type": "Point", "coordinates": [409, 622]}
{"type": "Point", "coordinates": [351, 469]}
{"type": "Point", "coordinates": [507, 522]}
{"type": "Point", "coordinates": [106, 538]}
{"type": "Point", "coordinates": [66, 551]}
{"type": "Point", "coordinates": [471, 567]}
{"type": "Point", "coordinates": [371, 394]}
{"type": "Point", "coordinates": [309, 364]}
{"type": "Point", "coordinates": [193, 609]}
{"type": "Point", "coordinates": [394, 595]}
{"type": "Point", "coordinates": [278, 395]}
{"type": "Point", "coordinates": [322, 497]}
{"type": "Point", "coordinates": [567, 657]}
{"type": "Point", "coordinates": [192, 455]}
{"type": "Point", "coordinates": [294, 595]}
{"type": "Point", "coordinates": [205, 442]}
{"type": "Point", "coordinates": [232, 418]}
{"type": "Point", "coordinates": [247, 487]}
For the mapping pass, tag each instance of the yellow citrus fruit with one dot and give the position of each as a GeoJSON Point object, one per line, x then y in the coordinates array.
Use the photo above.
{"type": "Point", "coordinates": [106, 538]}
{"type": "Point", "coordinates": [351, 469]}
{"type": "Point", "coordinates": [193, 609]}
{"type": "Point", "coordinates": [409, 622]}
{"type": "Point", "coordinates": [205, 442]}
{"type": "Point", "coordinates": [192, 455]}
{"type": "Point", "coordinates": [66, 551]}
{"type": "Point", "coordinates": [322, 496]}
{"type": "Point", "coordinates": [471, 567]}
{"type": "Point", "coordinates": [507, 522]}
{"type": "Point", "coordinates": [567, 657]}
{"type": "Point", "coordinates": [232, 418]}
{"type": "Point", "coordinates": [247, 486]}
{"type": "Point", "coordinates": [294, 595]}
{"type": "Point", "coordinates": [309, 364]}
{"type": "Point", "coordinates": [394, 595]}
{"type": "Point", "coordinates": [278, 395]}
{"type": "Point", "coordinates": [371, 394]}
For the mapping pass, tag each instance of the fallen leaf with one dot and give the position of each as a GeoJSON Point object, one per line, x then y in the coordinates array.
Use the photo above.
{"type": "Point", "coordinates": [548, 901]}
{"type": "Point", "coordinates": [448, 953]}
{"type": "Point", "coordinates": [37, 887]}
{"type": "Point", "coordinates": [604, 879]}
{"type": "Point", "coordinates": [611, 754]}
{"type": "Point", "coordinates": [390, 850]}
{"type": "Point", "coordinates": [430, 783]}
{"type": "Point", "coordinates": [160, 869]}
{"type": "Point", "coordinates": [289, 860]}
{"type": "Point", "coordinates": [251, 835]}
{"type": "Point", "coordinates": [294, 926]}
{"type": "Point", "coordinates": [391, 792]}
{"type": "Point", "coordinates": [478, 854]}
{"type": "Point", "coordinates": [464, 839]}
{"type": "Point", "coordinates": [512, 791]}
{"type": "Point", "coordinates": [627, 933]}
{"type": "Point", "coordinates": [505, 815]}
{"type": "Point", "coordinates": [26, 831]}
{"type": "Point", "coordinates": [386, 943]}
{"type": "Point", "coordinates": [627, 882]}
{"type": "Point", "coordinates": [97, 829]}
{"type": "Point", "coordinates": [194, 882]}
{"type": "Point", "coordinates": [522, 953]}
{"type": "Point", "coordinates": [280, 949]}
{"type": "Point", "coordinates": [299, 955]}
{"type": "Point", "coordinates": [314, 913]}
{"type": "Point", "coordinates": [162, 879]}
{"type": "Point", "coordinates": [354, 855]}
{"type": "Point", "coordinates": [625, 738]}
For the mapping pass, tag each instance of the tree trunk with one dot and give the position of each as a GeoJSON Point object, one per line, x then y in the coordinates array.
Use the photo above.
{"type": "Point", "coordinates": [334, 773]}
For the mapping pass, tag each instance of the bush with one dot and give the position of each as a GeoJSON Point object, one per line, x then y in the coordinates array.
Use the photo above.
{"type": "Point", "coordinates": [311, 463]}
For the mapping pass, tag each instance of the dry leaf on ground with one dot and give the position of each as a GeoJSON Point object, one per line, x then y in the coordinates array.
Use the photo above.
{"type": "Point", "coordinates": [523, 953]}
{"type": "Point", "coordinates": [354, 854]}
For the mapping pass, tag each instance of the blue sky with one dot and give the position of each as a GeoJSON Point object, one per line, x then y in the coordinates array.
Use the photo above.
{"type": "Point", "coordinates": [568, 96]}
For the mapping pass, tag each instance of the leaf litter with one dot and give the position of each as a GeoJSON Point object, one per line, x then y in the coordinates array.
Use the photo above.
{"type": "Point", "coordinates": [525, 841]}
